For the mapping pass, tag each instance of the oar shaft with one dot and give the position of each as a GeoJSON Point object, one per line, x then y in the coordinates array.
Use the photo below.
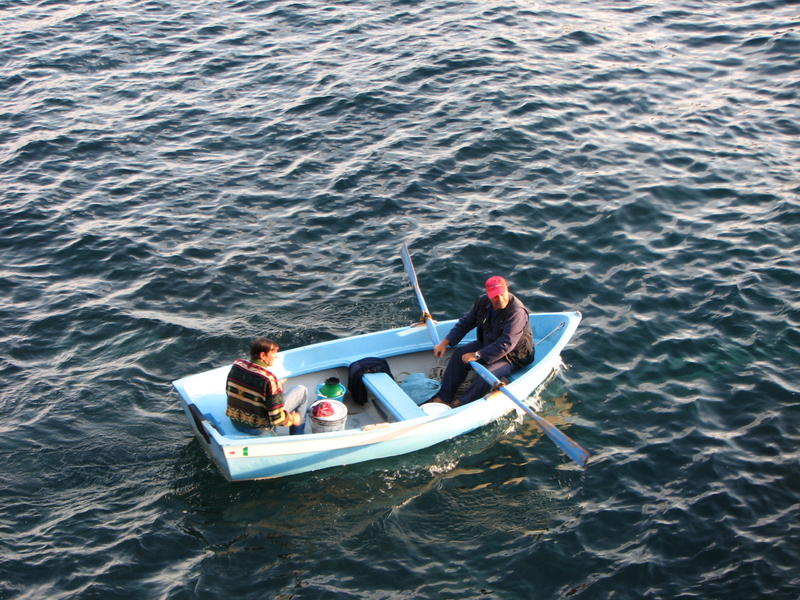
{"type": "Point", "coordinates": [412, 279]}
{"type": "Point", "coordinates": [432, 330]}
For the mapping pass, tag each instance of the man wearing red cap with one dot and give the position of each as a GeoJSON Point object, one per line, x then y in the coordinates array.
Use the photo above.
{"type": "Point", "coordinates": [504, 343]}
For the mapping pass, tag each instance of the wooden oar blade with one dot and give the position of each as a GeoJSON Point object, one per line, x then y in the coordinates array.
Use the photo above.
{"type": "Point", "coordinates": [560, 439]}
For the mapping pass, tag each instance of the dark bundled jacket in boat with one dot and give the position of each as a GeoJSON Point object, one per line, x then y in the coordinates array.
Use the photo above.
{"type": "Point", "coordinates": [515, 343]}
{"type": "Point", "coordinates": [355, 383]}
{"type": "Point", "coordinates": [255, 396]}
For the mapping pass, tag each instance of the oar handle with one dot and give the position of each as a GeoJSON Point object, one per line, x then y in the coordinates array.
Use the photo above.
{"type": "Point", "coordinates": [560, 439]}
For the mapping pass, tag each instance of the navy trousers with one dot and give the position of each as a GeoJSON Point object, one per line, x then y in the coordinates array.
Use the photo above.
{"type": "Point", "coordinates": [457, 371]}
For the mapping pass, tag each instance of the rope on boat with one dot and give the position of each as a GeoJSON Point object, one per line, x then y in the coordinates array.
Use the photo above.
{"type": "Point", "coordinates": [556, 328]}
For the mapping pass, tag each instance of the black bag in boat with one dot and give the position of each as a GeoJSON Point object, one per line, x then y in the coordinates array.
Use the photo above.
{"type": "Point", "coordinates": [358, 392]}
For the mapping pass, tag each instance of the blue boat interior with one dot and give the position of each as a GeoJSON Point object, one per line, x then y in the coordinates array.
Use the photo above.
{"type": "Point", "coordinates": [392, 400]}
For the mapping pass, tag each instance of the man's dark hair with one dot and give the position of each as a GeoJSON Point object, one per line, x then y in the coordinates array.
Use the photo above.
{"type": "Point", "coordinates": [260, 345]}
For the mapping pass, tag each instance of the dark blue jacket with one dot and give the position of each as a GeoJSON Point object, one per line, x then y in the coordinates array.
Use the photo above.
{"type": "Point", "coordinates": [502, 333]}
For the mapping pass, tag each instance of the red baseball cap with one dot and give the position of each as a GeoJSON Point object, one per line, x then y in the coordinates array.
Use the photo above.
{"type": "Point", "coordinates": [495, 286]}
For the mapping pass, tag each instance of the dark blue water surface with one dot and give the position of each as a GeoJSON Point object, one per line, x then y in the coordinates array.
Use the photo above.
{"type": "Point", "coordinates": [177, 177]}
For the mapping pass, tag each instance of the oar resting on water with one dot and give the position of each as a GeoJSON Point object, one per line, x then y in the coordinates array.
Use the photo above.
{"type": "Point", "coordinates": [570, 448]}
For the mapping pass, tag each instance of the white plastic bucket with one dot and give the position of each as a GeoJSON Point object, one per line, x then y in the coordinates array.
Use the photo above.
{"type": "Point", "coordinates": [434, 409]}
{"type": "Point", "coordinates": [334, 422]}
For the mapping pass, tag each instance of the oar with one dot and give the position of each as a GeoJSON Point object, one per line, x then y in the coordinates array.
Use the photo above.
{"type": "Point", "coordinates": [412, 278]}
{"type": "Point", "coordinates": [570, 448]}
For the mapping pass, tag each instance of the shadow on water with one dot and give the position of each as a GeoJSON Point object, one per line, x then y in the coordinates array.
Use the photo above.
{"type": "Point", "coordinates": [408, 523]}
{"type": "Point", "coordinates": [491, 469]}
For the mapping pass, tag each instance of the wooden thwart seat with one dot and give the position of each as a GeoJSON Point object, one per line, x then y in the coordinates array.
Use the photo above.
{"type": "Point", "coordinates": [391, 398]}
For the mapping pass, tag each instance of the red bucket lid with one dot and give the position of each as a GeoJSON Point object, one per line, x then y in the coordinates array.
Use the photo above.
{"type": "Point", "coordinates": [322, 409]}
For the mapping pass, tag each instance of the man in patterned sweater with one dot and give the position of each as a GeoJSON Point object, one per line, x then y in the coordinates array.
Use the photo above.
{"type": "Point", "coordinates": [256, 399]}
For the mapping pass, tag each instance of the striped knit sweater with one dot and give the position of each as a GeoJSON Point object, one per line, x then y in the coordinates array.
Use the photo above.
{"type": "Point", "coordinates": [255, 396]}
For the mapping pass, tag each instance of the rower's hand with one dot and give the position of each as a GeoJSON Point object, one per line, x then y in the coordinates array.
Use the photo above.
{"type": "Point", "coordinates": [440, 348]}
{"type": "Point", "coordinates": [468, 357]}
{"type": "Point", "coordinates": [296, 418]}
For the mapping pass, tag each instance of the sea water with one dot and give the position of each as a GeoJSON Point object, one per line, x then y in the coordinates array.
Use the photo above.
{"type": "Point", "coordinates": [178, 178]}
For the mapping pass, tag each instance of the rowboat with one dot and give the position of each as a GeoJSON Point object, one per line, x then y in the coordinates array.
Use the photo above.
{"type": "Point", "coordinates": [394, 419]}
{"type": "Point", "coordinates": [391, 423]}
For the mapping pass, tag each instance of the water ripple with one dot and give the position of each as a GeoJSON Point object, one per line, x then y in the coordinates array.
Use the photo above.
{"type": "Point", "coordinates": [178, 177]}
